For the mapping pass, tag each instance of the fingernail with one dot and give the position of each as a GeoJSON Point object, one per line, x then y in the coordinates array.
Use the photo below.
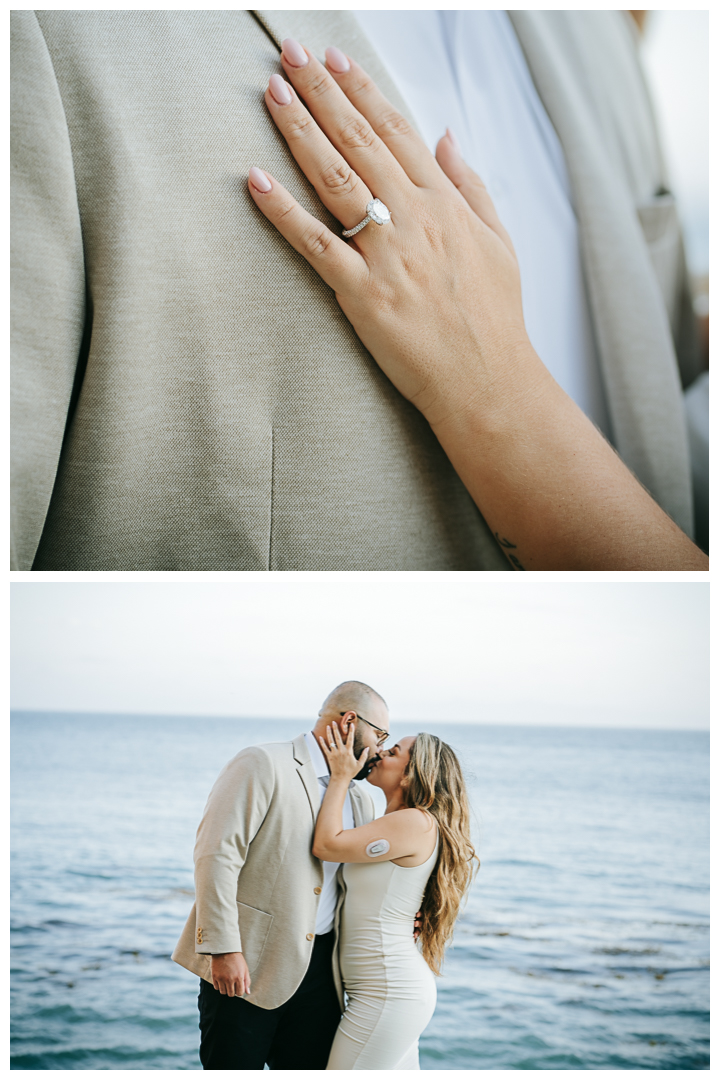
{"type": "Point", "coordinates": [259, 180]}
{"type": "Point", "coordinates": [453, 139]}
{"type": "Point", "coordinates": [294, 52]}
{"type": "Point", "coordinates": [280, 90]}
{"type": "Point", "coordinates": [336, 60]}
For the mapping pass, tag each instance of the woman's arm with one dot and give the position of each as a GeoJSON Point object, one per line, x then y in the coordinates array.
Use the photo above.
{"type": "Point", "coordinates": [549, 485]}
{"type": "Point", "coordinates": [394, 836]}
{"type": "Point", "coordinates": [435, 297]}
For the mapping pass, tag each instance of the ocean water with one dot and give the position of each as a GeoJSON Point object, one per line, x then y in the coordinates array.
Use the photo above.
{"type": "Point", "coordinates": [584, 943]}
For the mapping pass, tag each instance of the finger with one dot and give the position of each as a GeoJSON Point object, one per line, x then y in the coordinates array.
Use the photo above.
{"type": "Point", "coordinates": [338, 186]}
{"type": "Point", "coordinates": [340, 267]}
{"type": "Point", "coordinates": [469, 184]}
{"type": "Point", "coordinates": [347, 129]}
{"type": "Point", "coordinates": [401, 139]}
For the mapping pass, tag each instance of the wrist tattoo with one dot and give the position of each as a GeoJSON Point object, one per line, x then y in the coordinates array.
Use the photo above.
{"type": "Point", "coordinates": [505, 544]}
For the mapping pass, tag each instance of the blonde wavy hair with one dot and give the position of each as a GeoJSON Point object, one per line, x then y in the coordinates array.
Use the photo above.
{"type": "Point", "coordinates": [433, 781]}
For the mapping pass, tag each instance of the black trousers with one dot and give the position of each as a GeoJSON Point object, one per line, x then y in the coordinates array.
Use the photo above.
{"type": "Point", "coordinates": [235, 1034]}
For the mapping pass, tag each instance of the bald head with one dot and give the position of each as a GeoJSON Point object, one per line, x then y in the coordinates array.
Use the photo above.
{"type": "Point", "coordinates": [355, 696]}
{"type": "Point", "coordinates": [350, 703]}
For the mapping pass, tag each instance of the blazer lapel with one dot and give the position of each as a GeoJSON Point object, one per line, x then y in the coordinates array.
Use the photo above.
{"type": "Point", "coordinates": [307, 773]}
{"type": "Point", "coordinates": [610, 176]}
{"type": "Point", "coordinates": [358, 807]}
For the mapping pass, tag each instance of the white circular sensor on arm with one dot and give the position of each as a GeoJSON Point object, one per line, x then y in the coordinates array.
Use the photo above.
{"type": "Point", "coordinates": [377, 847]}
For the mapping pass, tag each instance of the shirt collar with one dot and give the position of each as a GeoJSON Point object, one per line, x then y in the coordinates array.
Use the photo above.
{"type": "Point", "coordinates": [317, 758]}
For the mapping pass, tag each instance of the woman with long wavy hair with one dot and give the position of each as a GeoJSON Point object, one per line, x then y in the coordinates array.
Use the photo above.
{"type": "Point", "coordinates": [417, 856]}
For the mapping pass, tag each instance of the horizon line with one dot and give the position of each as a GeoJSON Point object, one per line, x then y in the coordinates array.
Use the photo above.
{"type": "Point", "coordinates": [301, 719]}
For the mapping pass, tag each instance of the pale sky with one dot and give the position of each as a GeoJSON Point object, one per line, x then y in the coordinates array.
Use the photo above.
{"type": "Point", "coordinates": [462, 647]}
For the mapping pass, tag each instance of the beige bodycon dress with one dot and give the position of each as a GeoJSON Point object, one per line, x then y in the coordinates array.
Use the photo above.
{"type": "Point", "coordinates": [391, 990]}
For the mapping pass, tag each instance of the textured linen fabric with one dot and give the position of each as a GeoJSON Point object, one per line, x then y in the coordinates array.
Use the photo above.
{"type": "Point", "coordinates": [187, 395]}
{"type": "Point", "coordinates": [256, 878]}
{"type": "Point", "coordinates": [227, 416]}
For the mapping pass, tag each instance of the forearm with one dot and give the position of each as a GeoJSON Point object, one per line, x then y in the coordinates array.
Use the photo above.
{"type": "Point", "coordinates": [550, 487]}
{"type": "Point", "coordinates": [329, 823]}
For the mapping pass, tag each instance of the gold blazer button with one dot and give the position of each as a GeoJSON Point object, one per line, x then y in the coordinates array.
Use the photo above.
{"type": "Point", "coordinates": [309, 936]}
{"type": "Point", "coordinates": [317, 890]}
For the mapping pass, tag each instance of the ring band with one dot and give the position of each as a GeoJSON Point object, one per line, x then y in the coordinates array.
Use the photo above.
{"type": "Point", "coordinates": [376, 211]}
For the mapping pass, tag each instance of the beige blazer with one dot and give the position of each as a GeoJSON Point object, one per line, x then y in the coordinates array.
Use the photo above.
{"type": "Point", "coordinates": [257, 884]}
{"type": "Point", "coordinates": [187, 394]}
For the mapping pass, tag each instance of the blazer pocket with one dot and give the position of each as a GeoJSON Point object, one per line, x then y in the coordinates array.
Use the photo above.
{"type": "Point", "coordinates": [254, 929]}
{"type": "Point", "coordinates": [661, 227]}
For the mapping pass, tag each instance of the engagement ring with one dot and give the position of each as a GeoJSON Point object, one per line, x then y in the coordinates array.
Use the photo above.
{"type": "Point", "coordinates": [376, 211]}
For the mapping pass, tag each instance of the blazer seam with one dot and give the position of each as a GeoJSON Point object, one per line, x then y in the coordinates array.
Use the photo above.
{"type": "Point", "coordinates": [259, 18]}
{"type": "Point", "coordinates": [70, 145]}
{"type": "Point", "coordinates": [84, 350]}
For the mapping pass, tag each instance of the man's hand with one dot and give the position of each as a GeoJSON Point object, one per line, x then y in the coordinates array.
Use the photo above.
{"type": "Point", "coordinates": [230, 974]}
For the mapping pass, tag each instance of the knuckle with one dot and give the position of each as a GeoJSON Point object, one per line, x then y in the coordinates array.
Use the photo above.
{"type": "Point", "coordinates": [473, 184]}
{"type": "Point", "coordinates": [339, 178]}
{"type": "Point", "coordinates": [316, 84]}
{"type": "Point", "coordinates": [299, 126]}
{"type": "Point", "coordinates": [316, 241]}
{"type": "Point", "coordinates": [393, 124]}
{"type": "Point", "coordinates": [362, 84]}
{"type": "Point", "coordinates": [285, 209]}
{"type": "Point", "coordinates": [356, 133]}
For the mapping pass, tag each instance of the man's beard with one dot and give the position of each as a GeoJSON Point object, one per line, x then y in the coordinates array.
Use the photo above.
{"type": "Point", "coordinates": [358, 747]}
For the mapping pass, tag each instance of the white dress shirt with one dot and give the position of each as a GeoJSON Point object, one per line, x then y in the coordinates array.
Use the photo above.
{"type": "Point", "coordinates": [329, 896]}
{"type": "Point", "coordinates": [465, 70]}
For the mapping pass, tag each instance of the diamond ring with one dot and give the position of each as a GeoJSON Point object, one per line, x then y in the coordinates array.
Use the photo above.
{"type": "Point", "coordinates": [376, 211]}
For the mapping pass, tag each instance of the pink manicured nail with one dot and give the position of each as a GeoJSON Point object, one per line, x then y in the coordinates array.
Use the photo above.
{"type": "Point", "coordinates": [294, 52]}
{"type": "Point", "coordinates": [453, 139]}
{"type": "Point", "coordinates": [259, 180]}
{"type": "Point", "coordinates": [336, 60]}
{"type": "Point", "coordinates": [280, 90]}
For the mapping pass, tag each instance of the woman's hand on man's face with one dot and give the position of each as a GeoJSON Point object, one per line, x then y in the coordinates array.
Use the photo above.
{"type": "Point", "coordinates": [434, 293]}
{"type": "Point", "coordinates": [340, 755]}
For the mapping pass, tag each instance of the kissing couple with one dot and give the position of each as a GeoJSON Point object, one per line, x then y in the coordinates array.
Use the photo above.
{"type": "Point", "coordinates": [303, 930]}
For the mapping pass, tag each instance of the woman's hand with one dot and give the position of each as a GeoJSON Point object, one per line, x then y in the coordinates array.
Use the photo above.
{"type": "Point", "coordinates": [434, 294]}
{"type": "Point", "coordinates": [340, 756]}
